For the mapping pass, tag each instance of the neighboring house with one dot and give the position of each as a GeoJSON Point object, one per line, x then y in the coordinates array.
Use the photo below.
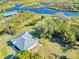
{"type": "Point", "coordinates": [23, 42]}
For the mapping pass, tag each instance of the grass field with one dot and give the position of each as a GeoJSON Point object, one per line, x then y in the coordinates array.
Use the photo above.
{"type": "Point", "coordinates": [5, 50]}
{"type": "Point", "coordinates": [49, 49]}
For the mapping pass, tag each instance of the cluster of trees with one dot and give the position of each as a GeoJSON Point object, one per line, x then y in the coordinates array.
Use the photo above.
{"type": "Point", "coordinates": [25, 2]}
{"type": "Point", "coordinates": [2, 26]}
{"type": "Point", "coordinates": [28, 55]}
{"type": "Point", "coordinates": [17, 22]}
{"type": "Point", "coordinates": [1, 17]}
{"type": "Point", "coordinates": [72, 5]}
{"type": "Point", "coordinates": [56, 28]}
{"type": "Point", "coordinates": [60, 29]}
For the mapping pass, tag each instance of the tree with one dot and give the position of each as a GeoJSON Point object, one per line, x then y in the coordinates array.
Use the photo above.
{"type": "Point", "coordinates": [23, 55]}
{"type": "Point", "coordinates": [2, 27]}
{"type": "Point", "coordinates": [63, 57]}
{"type": "Point", "coordinates": [28, 55]}
{"type": "Point", "coordinates": [57, 27]}
{"type": "Point", "coordinates": [37, 56]}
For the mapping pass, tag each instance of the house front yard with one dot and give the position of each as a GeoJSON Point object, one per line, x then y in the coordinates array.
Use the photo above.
{"type": "Point", "coordinates": [5, 50]}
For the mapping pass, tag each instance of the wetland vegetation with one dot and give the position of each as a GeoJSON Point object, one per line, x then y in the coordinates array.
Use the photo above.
{"type": "Point", "coordinates": [58, 34]}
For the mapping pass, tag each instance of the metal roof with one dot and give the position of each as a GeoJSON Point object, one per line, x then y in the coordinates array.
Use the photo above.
{"type": "Point", "coordinates": [24, 41]}
{"type": "Point", "coordinates": [8, 14]}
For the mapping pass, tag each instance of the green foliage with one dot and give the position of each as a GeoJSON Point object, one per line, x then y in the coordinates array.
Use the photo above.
{"type": "Point", "coordinates": [61, 29]}
{"type": "Point", "coordinates": [37, 56]}
{"type": "Point", "coordinates": [1, 17]}
{"type": "Point", "coordinates": [23, 55]}
{"type": "Point", "coordinates": [16, 22]}
{"type": "Point", "coordinates": [28, 55]}
{"type": "Point", "coordinates": [5, 7]}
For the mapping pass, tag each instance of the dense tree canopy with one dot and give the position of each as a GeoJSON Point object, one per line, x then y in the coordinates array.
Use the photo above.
{"type": "Point", "coordinates": [58, 28]}
{"type": "Point", "coordinates": [62, 29]}
{"type": "Point", "coordinates": [28, 55]}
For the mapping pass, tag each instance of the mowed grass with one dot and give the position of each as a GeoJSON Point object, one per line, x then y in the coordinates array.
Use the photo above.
{"type": "Point", "coordinates": [48, 50]}
{"type": "Point", "coordinates": [5, 50]}
{"type": "Point", "coordinates": [4, 38]}
{"type": "Point", "coordinates": [5, 7]}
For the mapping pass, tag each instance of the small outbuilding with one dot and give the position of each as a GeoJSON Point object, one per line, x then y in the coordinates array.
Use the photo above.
{"type": "Point", "coordinates": [23, 42]}
{"type": "Point", "coordinates": [9, 14]}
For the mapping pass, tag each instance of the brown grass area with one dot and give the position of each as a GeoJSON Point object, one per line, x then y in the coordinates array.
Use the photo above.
{"type": "Point", "coordinates": [53, 50]}
{"type": "Point", "coordinates": [4, 38]}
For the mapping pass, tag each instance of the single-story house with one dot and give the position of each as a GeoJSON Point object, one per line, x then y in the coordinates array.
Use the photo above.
{"type": "Point", "coordinates": [8, 14]}
{"type": "Point", "coordinates": [23, 42]}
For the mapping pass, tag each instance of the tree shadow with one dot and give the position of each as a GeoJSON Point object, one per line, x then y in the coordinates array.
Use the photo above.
{"type": "Point", "coordinates": [64, 45]}
{"type": "Point", "coordinates": [9, 43]}
{"type": "Point", "coordinates": [63, 57]}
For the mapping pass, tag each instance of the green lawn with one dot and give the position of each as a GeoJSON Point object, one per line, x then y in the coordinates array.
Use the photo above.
{"type": "Point", "coordinates": [5, 50]}
{"type": "Point", "coordinates": [4, 38]}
